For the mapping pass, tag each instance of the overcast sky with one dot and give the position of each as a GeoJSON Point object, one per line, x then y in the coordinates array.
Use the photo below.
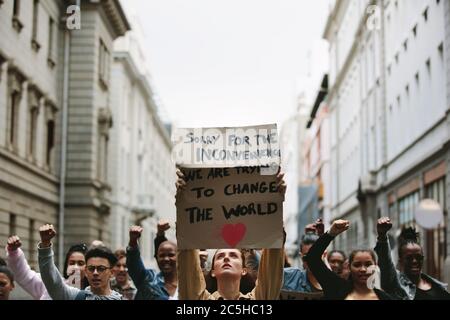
{"type": "Point", "coordinates": [232, 62]}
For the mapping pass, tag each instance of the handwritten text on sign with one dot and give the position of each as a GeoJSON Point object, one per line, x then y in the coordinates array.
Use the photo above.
{"type": "Point", "coordinates": [229, 207]}
{"type": "Point", "coordinates": [226, 147]}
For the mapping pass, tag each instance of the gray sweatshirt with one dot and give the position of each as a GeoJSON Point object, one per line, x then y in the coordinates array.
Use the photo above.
{"type": "Point", "coordinates": [55, 285]}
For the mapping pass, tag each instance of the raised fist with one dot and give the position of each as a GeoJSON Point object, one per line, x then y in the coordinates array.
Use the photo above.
{"type": "Point", "coordinates": [181, 183]}
{"type": "Point", "coordinates": [384, 224]}
{"type": "Point", "coordinates": [135, 234]}
{"type": "Point", "coordinates": [47, 233]}
{"type": "Point", "coordinates": [281, 184]}
{"type": "Point", "coordinates": [13, 243]}
{"type": "Point", "coordinates": [320, 227]}
{"type": "Point", "coordinates": [338, 227]}
{"type": "Point", "coordinates": [163, 226]}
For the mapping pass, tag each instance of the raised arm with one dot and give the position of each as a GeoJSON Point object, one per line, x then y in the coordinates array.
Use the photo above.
{"type": "Point", "coordinates": [51, 277]}
{"type": "Point", "coordinates": [329, 280]}
{"type": "Point", "coordinates": [191, 282]}
{"type": "Point", "coordinates": [162, 227]}
{"type": "Point", "coordinates": [28, 279]}
{"type": "Point", "coordinates": [270, 275]}
{"type": "Point", "coordinates": [136, 268]}
{"type": "Point", "coordinates": [389, 277]}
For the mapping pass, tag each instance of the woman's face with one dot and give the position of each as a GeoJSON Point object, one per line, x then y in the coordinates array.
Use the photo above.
{"type": "Point", "coordinates": [76, 259]}
{"type": "Point", "coordinates": [359, 267]}
{"type": "Point", "coordinates": [6, 286]}
{"type": "Point", "coordinates": [228, 263]}
{"type": "Point", "coordinates": [167, 258]}
{"type": "Point", "coordinates": [336, 262]}
{"type": "Point", "coordinates": [411, 260]}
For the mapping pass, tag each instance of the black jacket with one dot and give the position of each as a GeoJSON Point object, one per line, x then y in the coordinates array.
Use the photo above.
{"type": "Point", "coordinates": [334, 287]}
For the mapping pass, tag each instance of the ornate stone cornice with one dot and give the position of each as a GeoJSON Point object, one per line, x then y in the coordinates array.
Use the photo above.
{"type": "Point", "coordinates": [115, 15]}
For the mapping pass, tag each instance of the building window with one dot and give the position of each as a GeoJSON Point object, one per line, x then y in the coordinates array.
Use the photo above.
{"type": "Point", "coordinates": [14, 114]}
{"type": "Point", "coordinates": [103, 64]}
{"type": "Point", "coordinates": [50, 142]}
{"type": "Point", "coordinates": [12, 224]}
{"type": "Point", "coordinates": [32, 133]}
{"type": "Point", "coordinates": [2, 60]}
{"type": "Point", "coordinates": [104, 124]}
{"type": "Point", "coordinates": [440, 49]}
{"type": "Point", "coordinates": [50, 116]}
{"type": "Point", "coordinates": [407, 206]}
{"type": "Point", "coordinates": [417, 77]}
{"type": "Point", "coordinates": [435, 246]}
{"type": "Point", "coordinates": [16, 7]}
{"type": "Point", "coordinates": [31, 241]}
{"type": "Point", "coordinates": [428, 64]}
{"type": "Point", "coordinates": [15, 95]}
{"type": "Point", "coordinates": [34, 42]}
{"type": "Point", "coordinates": [425, 15]}
{"type": "Point", "coordinates": [415, 31]}
{"type": "Point", "coordinates": [17, 24]}
{"type": "Point", "coordinates": [405, 45]}
{"type": "Point", "coordinates": [51, 59]}
{"type": "Point", "coordinates": [34, 97]}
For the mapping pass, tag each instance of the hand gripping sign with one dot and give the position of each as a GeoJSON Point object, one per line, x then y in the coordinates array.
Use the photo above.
{"type": "Point", "coordinates": [231, 198]}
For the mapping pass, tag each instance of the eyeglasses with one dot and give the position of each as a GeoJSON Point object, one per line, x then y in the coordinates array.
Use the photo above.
{"type": "Point", "coordinates": [100, 269]}
{"type": "Point", "coordinates": [418, 257]}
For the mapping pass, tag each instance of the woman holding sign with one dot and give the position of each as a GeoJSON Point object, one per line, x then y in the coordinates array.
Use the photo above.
{"type": "Point", "coordinates": [228, 268]}
{"type": "Point", "coordinates": [360, 261]}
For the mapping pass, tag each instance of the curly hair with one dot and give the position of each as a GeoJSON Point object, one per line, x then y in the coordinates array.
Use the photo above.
{"type": "Point", "coordinates": [407, 236]}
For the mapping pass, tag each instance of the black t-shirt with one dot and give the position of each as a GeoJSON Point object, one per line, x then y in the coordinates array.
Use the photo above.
{"type": "Point", "coordinates": [432, 294]}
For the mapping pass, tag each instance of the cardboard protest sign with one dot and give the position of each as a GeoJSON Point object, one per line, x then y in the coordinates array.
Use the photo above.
{"type": "Point", "coordinates": [226, 147]}
{"type": "Point", "coordinates": [229, 208]}
{"type": "Point", "coordinates": [231, 199]}
{"type": "Point", "coordinates": [296, 295]}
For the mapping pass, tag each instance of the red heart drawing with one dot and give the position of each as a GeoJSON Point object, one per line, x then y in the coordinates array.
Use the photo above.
{"type": "Point", "coordinates": [233, 233]}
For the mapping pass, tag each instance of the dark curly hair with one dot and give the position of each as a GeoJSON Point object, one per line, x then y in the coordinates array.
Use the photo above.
{"type": "Point", "coordinates": [407, 236]}
{"type": "Point", "coordinates": [102, 252]}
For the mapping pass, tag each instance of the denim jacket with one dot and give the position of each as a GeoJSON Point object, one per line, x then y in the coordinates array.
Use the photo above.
{"type": "Point", "coordinates": [149, 284]}
{"type": "Point", "coordinates": [395, 282]}
{"type": "Point", "coordinates": [296, 280]}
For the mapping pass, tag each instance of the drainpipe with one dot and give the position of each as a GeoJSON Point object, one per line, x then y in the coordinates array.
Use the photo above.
{"type": "Point", "coordinates": [62, 185]}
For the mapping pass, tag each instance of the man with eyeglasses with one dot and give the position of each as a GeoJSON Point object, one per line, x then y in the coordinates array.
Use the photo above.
{"type": "Point", "coordinates": [409, 283]}
{"type": "Point", "coordinates": [99, 261]}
